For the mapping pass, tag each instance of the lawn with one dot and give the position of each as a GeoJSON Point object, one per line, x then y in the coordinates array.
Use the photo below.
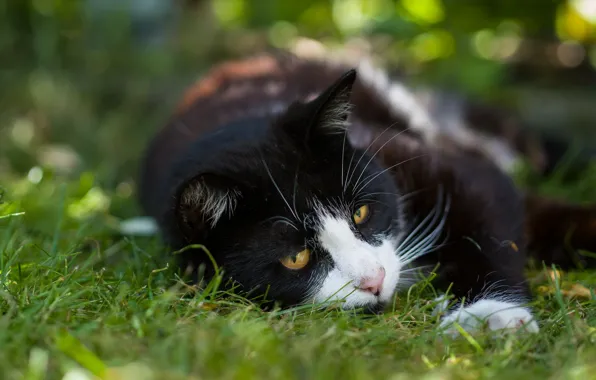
{"type": "Point", "coordinates": [78, 299]}
{"type": "Point", "coordinates": [75, 295]}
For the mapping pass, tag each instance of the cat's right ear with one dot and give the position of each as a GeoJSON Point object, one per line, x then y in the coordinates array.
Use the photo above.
{"type": "Point", "coordinates": [204, 201]}
{"type": "Point", "coordinates": [332, 107]}
{"type": "Point", "coordinates": [324, 116]}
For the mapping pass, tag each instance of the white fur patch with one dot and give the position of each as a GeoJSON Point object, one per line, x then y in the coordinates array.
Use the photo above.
{"type": "Point", "coordinates": [495, 314]}
{"type": "Point", "coordinates": [354, 261]}
{"type": "Point", "coordinates": [211, 202]}
{"type": "Point", "coordinates": [401, 100]}
{"type": "Point", "coordinates": [417, 107]}
{"type": "Point", "coordinates": [453, 124]}
{"type": "Point", "coordinates": [442, 303]}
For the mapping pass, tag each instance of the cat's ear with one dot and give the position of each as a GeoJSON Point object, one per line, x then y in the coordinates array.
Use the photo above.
{"type": "Point", "coordinates": [332, 107]}
{"type": "Point", "coordinates": [204, 201]}
{"type": "Point", "coordinates": [325, 115]}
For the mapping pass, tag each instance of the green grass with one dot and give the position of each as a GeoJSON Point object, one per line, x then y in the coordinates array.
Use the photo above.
{"type": "Point", "coordinates": [75, 294]}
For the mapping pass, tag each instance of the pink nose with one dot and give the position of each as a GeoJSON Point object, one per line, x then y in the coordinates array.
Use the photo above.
{"type": "Point", "coordinates": [374, 284]}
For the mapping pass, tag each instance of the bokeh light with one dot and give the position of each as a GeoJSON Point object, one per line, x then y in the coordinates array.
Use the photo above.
{"type": "Point", "coordinates": [89, 81]}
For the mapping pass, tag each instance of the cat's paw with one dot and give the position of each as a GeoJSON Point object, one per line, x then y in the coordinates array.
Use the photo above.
{"type": "Point", "coordinates": [491, 314]}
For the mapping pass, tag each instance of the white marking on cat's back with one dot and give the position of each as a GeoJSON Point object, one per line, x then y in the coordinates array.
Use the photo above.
{"type": "Point", "coordinates": [453, 124]}
{"type": "Point", "coordinates": [495, 314]}
{"type": "Point", "coordinates": [424, 114]}
{"type": "Point", "coordinates": [400, 99]}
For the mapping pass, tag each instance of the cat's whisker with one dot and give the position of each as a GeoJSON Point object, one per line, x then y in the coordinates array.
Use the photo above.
{"type": "Point", "coordinates": [409, 248]}
{"type": "Point", "coordinates": [432, 247]}
{"type": "Point", "coordinates": [295, 188]}
{"type": "Point", "coordinates": [426, 241]}
{"type": "Point", "coordinates": [426, 247]}
{"type": "Point", "coordinates": [374, 201]}
{"type": "Point", "coordinates": [363, 200]}
{"type": "Point", "coordinates": [415, 269]}
{"type": "Point", "coordinates": [412, 276]}
{"type": "Point", "coordinates": [345, 186]}
{"type": "Point", "coordinates": [284, 220]}
{"type": "Point", "coordinates": [400, 197]}
{"type": "Point", "coordinates": [405, 197]}
{"type": "Point", "coordinates": [279, 190]}
{"type": "Point", "coordinates": [343, 153]}
{"type": "Point", "coordinates": [406, 243]}
{"type": "Point", "coordinates": [350, 175]}
{"type": "Point", "coordinates": [407, 282]}
{"type": "Point", "coordinates": [383, 193]}
{"type": "Point", "coordinates": [429, 237]}
{"type": "Point", "coordinates": [375, 176]}
{"type": "Point", "coordinates": [375, 154]}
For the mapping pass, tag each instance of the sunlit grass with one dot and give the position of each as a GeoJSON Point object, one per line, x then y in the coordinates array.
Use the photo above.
{"type": "Point", "coordinates": [76, 296]}
{"type": "Point", "coordinates": [78, 299]}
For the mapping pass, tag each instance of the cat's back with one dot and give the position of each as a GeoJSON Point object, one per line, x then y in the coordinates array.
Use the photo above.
{"type": "Point", "coordinates": [235, 102]}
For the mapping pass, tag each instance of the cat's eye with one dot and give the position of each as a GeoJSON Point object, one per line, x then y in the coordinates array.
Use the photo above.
{"type": "Point", "coordinates": [361, 215]}
{"type": "Point", "coordinates": [297, 261]}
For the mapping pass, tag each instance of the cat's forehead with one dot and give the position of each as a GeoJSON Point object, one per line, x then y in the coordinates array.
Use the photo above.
{"type": "Point", "coordinates": [334, 180]}
{"type": "Point", "coordinates": [304, 198]}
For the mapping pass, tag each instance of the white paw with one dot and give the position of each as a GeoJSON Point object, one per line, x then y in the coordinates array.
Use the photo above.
{"type": "Point", "coordinates": [441, 304]}
{"type": "Point", "coordinates": [495, 315]}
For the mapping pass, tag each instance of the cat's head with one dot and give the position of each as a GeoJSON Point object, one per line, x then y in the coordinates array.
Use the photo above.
{"type": "Point", "coordinates": [299, 215]}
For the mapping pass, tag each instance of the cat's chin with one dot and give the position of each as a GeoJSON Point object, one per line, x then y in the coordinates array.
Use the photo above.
{"type": "Point", "coordinates": [373, 307]}
{"type": "Point", "coordinates": [377, 308]}
{"type": "Point", "coordinates": [366, 302]}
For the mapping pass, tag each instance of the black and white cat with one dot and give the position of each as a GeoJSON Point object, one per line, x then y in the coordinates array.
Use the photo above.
{"type": "Point", "coordinates": [311, 182]}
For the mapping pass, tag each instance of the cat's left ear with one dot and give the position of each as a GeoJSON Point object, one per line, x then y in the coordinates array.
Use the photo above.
{"type": "Point", "coordinates": [204, 201]}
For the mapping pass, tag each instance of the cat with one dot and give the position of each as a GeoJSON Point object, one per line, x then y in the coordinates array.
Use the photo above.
{"type": "Point", "coordinates": [311, 181]}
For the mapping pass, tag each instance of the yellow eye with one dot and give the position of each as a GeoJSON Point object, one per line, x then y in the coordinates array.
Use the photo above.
{"type": "Point", "coordinates": [361, 215]}
{"type": "Point", "coordinates": [297, 261]}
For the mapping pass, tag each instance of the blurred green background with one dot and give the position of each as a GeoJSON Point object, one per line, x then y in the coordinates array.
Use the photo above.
{"type": "Point", "coordinates": [84, 84]}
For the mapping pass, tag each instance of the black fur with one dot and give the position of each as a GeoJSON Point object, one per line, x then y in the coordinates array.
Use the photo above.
{"type": "Point", "coordinates": [303, 154]}
{"type": "Point", "coordinates": [243, 142]}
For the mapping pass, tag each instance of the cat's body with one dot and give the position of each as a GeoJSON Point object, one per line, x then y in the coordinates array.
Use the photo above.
{"type": "Point", "coordinates": [310, 184]}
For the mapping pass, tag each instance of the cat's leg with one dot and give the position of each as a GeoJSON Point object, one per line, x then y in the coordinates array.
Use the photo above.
{"type": "Point", "coordinates": [494, 312]}
{"type": "Point", "coordinates": [483, 263]}
{"type": "Point", "coordinates": [481, 255]}
{"type": "Point", "coordinates": [488, 286]}
{"type": "Point", "coordinates": [491, 314]}
{"type": "Point", "coordinates": [482, 273]}
{"type": "Point", "coordinates": [481, 251]}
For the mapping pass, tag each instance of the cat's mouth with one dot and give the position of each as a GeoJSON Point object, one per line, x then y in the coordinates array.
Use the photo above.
{"type": "Point", "coordinates": [365, 298]}
{"type": "Point", "coordinates": [361, 296]}
{"type": "Point", "coordinates": [377, 308]}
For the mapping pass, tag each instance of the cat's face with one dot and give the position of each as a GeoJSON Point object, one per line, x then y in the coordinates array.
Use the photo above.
{"type": "Point", "coordinates": [303, 216]}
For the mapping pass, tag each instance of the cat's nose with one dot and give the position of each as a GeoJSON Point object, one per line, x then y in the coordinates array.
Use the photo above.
{"type": "Point", "coordinates": [373, 284]}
